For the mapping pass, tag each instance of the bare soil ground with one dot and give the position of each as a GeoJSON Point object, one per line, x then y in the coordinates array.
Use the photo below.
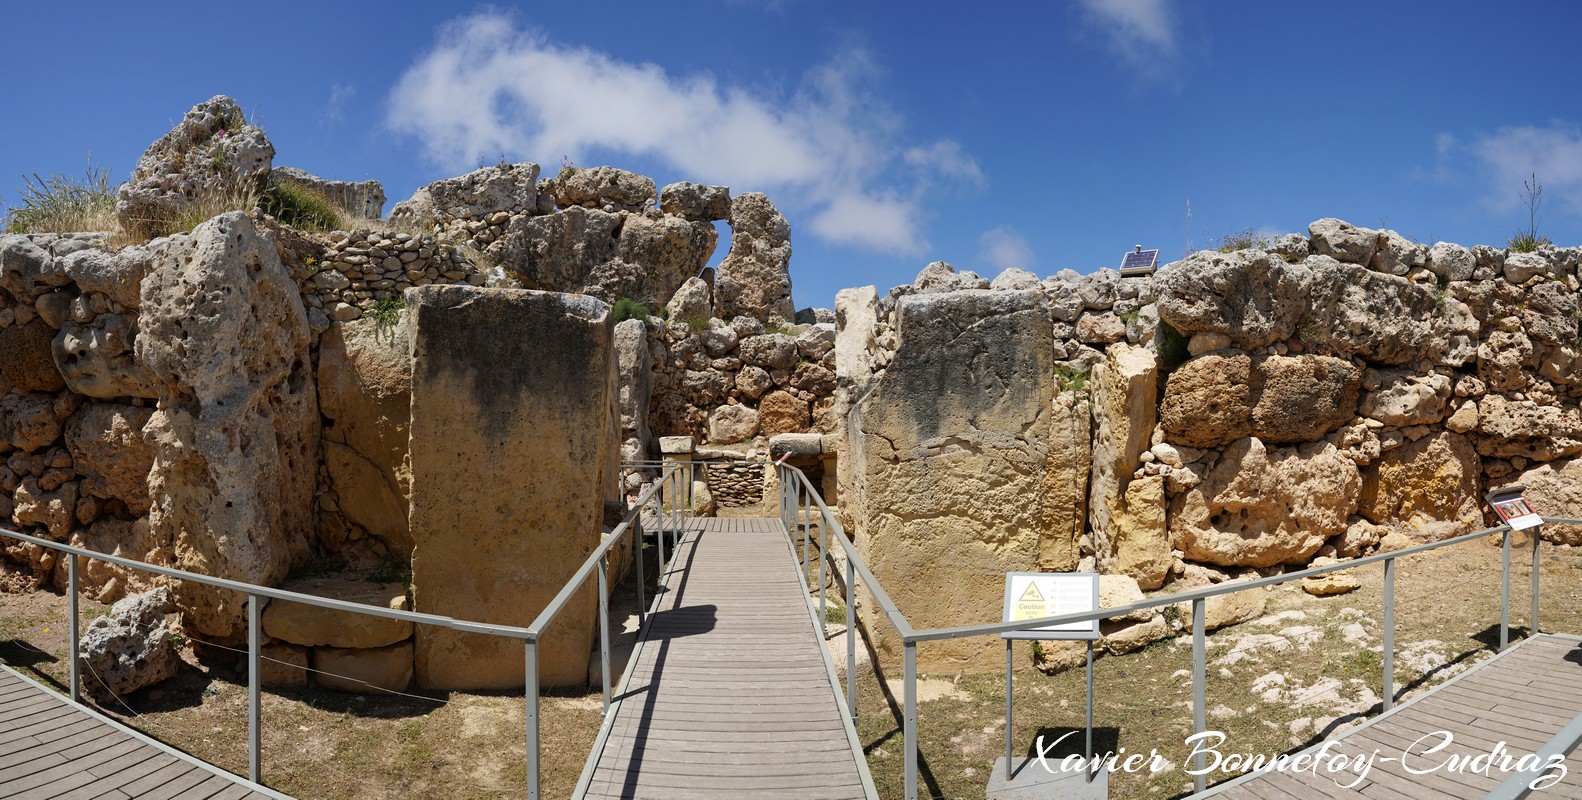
{"type": "Point", "coordinates": [1310, 667]}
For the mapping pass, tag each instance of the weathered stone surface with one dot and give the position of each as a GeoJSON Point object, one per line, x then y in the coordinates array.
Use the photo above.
{"type": "Point", "coordinates": [28, 421]}
{"type": "Point", "coordinates": [753, 381]}
{"type": "Point", "coordinates": [596, 187]}
{"type": "Point", "coordinates": [117, 275]}
{"type": "Point", "coordinates": [364, 388]}
{"type": "Point", "coordinates": [1400, 398]}
{"type": "Point", "coordinates": [1100, 329]}
{"type": "Point", "coordinates": [519, 383]}
{"type": "Point", "coordinates": [304, 624]}
{"type": "Point", "coordinates": [359, 199]}
{"type": "Point", "coordinates": [1217, 398]}
{"type": "Point", "coordinates": [754, 280]}
{"type": "Point", "coordinates": [1337, 582]}
{"type": "Point", "coordinates": [1397, 255]}
{"type": "Point", "coordinates": [1451, 262]}
{"type": "Point", "coordinates": [733, 423]}
{"type": "Point", "coordinates": [667, 251]}
{"type": "Point", "coordinates": [1252, 297]}
{"type": "Point", "coordinates": [236, 433]}
{"type": "Point", "coordinates": [1427, 489]}
{"type": "Point", "coordinates": [941, 276]}
{"type": "Point", "coordinates": [511, 188]}
{"type": "Point", "coordinates": [783, 412]}
{"type": "Point", "coordinates": [28, 365]}
{"type": "Point", "coordinates": [1525, 428]}
{"type": "Point", "coordinates": [1125, 391]}
{"type": "Point", "coordinates": [1142, 540]}
{"type": "Point", "coordinates": [99, 359]}
{"type": "Point", "coordinates": [1343, 241]}
{"type": "Point", "coordinates": [1555, 490]}
{"type": "Point", "coordinates": [130, 649]}
{"type": "Point", "coordinates": [770, 350]}
{"type": "Point", "coordinates": [816, 342]}
{"type": "Point", "coordinates": [718, 340]}
{"type": "Point", "coordinates": [1119, 638]}
{"type": "Point", "coordinates": [1066, 474]}
{"type": "Point", "coordinates": [1014, 278]}
{"type": "Point", "coordinates": [1260, 507]}
{"type": "Point", "coordinates": [107, 582]}
{"type": "Point", "coordinates": [376, 670]}
{"type": "Point", "coordinates": [283, 666]}
{"type": "Point", "coordinates": [950, 453]}
{"type": "Point", "coordinates": [636, 382]}
{"type": "Point", "coordinates": [691, 301]}
{"type": "Point", "coordinates": [51, 509]}
{"type": "Point", "coordinates": [1385, 319]}
{"type": "Point", "coordinates": [211, 154]}
{"type": "Point", "coordinates": [1225, 610]}
{"type": "Point", "coordinates": [109, 451]}
{"type": "Point", "coordinates": [696, 202]}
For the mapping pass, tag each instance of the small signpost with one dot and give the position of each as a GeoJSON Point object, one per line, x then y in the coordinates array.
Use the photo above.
{"type": "Point", "coordinates": [1513, 508]}
{"type": "Point", "coordinates": [1035, 595]}
{"type": "Point", "coordinates": [1139, 262]}
{"type": "Point", "coordinates": [1518, 515]}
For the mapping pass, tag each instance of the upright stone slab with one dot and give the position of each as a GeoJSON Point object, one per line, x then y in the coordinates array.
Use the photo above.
{"type": "Point", "coordinates": [950, 451]}
{"type": "Point", "coordinates": [512, 432]}
{"type": "Point", "coordinates": [1125, 408]}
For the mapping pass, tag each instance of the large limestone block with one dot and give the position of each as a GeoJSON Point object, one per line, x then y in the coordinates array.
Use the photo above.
{"type": "Point", "coordinates": [1125, 407]}
{"type": "Point", "coordinates": [1426, 489]}
{"type": "Point", "coordinates": [631, 356]}
{"type": "Point", "coordinates": [99, 359]}
{"type": "Point", "coordinates": [1259, 507]}
{"type": "Point", "coordinates": [1066, 480]}
{"type": "Point", "coordinates": [667, 251]}
{"type": "Point", "coordinates": [306, 624]}
{"type": "Point", "coordinates": [1252, 297]}
{"type": "Point", "coordinates": [951, 451]}
{"type": "Point", "coordinates": [1142, 539]}
{"type": "Point", "coordinates": [1555, 490]}
{"type": "Point", "coordinates": [1525, 428]}
{"type": "Point", "coordinates": [856, 315]}
{"type": "Point", "coordinates": [599, 186]}
{"type": "Point", "coordinates": [1218, 398]}
{"type": "Point", "coordinates": [1384, 318]}
{"type": "Point", "coordinates": [109, 451]}
{"type": "Point", "coordinates": [130, 649]}
{"type": "Point", "coordinates": [478, 194]}
{"type": "Point", "coordinates": [754, 280]}
{"type": "Point", "coordinates": [236, 433]}
{"type": "Point", "coordinates": [1343, 241]}
{"type": "Point", "coordinates": [359, 199]}
{"type": "Point", "coordinates": [28, 422]}
{"type": "Point", "coordinates": [364, 382]}
{"type": "Point", "coordinates": [107, 582]}
{"type": "Point", "coordinates": [212, 153]}
{"type": "Point", "coordinates": [513, 427]}
{"type": "Point", "coordinates": [1399, 398]}
{"type": "Point", "coordinates": [783, 412]}
{"type": "Point", "coordinates": [377, 670]}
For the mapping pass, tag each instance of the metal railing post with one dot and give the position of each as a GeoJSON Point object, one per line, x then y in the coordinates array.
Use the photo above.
{"type": "Point", "coordinates": [637, 555]}
{"type": "Point", "coordinates": [532, 720]}
{"type": "Point", "coordinates": [659, 534]}
{"type": "Point", "coordinates": [1389, 634]}
{"type": "Point", "coordinates": [851, 639]}
{"type": "Point", "coordinates": [823, 559]}
{"type": "Point", "coordinates": [255, 751]}
{"type": "Point", "coordinates": [604, 628]}
{"type": "Point", "coordinates": [1199, 688]}
{"type": "Point", "coordinates": [803, 509]}
{"type": "Point", "coordinates": [75, 627]}
{"type": "Point", "coordinates": [1505, 589]}
{"type": "Point", "coordinates": [909, 720]}
{"type": "Point", "coordinates": [1536, 542]}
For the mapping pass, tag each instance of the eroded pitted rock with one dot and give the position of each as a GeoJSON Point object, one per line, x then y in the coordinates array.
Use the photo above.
{"type": "Point", "coordinates": [1525, 428]}
{"type": "Point", "coordinates": [107, 582]}
{"type": "Point", "coordinates": [511, 188]}
{"type": "Point", "coordinates": [1555, 490]}
{"type": "Point", "coordinates": [27, 364]}
{"type": "Point", "coordinates": [212, 155]}
{"type": "Point", "coordinates": [1218, 398]}
{"type": "Point", "coordinates": [236, 432]}
{"type": "Point", "coordinates": [99, 359]}
{"type": "Point", "coordinates": [130, 649]}
{"type": "Point", "coordinates": [1343, 241]}
{"type": "Point", "coordinates": [597, 187]}
{"type": "Point", "coordinates": [109, 451]}
{"type": "Point", "coordinates": [695, 202]}
{"type": "Point", "coordinates": [1260, 507]}
{"type": "Point", "coordinates": [610, 255]}
{"type": "Point", "coordinates": [1426, 489]}
{"type": "Point", "coordinates": [754, 280]}
{"type": "Point", "coordinates": [1385, 319]}
{"type": "Point", "coordinates": [1250, 296]}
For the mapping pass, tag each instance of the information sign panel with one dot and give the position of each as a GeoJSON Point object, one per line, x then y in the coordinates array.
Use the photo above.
{"type": "Point", "coordinates": [1033, 595]}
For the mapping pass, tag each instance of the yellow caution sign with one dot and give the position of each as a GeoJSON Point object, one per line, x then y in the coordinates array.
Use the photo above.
{"type": "Point", "coordinates": [1031, 605]}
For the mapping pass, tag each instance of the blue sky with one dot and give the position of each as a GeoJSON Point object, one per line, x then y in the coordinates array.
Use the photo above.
{"type": "Point", "coordinates": [1042, 135]}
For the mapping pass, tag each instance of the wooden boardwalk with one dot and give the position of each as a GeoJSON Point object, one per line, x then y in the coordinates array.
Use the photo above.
{"type": "Point", "coordinates": [1524, 698]}
{"type": "Point", "coordinates": [51, 749]}
{"type": "Point", "coordinates": [732, 694]}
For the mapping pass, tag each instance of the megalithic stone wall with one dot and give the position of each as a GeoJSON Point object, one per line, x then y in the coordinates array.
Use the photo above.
{"type": "Point", "coordinates": [511, 439]}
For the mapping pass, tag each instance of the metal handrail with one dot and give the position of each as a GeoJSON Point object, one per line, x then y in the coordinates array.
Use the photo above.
{"type": "Point", "coordinates": [632, 523]}
{"type": "Point", "coordinates": [801, 496]}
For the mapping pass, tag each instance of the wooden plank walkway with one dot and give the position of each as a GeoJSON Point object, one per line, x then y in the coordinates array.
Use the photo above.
{"type": "Point", "coordinates": [1522, 698]}
{"type": "Point", "coordinates": [732, 695]}
{"type": "Point", "coordinates": [51, 749]}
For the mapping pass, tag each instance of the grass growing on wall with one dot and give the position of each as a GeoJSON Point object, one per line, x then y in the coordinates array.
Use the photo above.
{"type": "Point", "coordinates": [64, 203]}
{"type": "Point", "coordinates": [301, 207]}
{"type": "Point", "coordinates": [626, 308]}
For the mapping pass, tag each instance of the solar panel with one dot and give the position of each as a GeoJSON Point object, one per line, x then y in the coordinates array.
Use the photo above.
{"type": "Point", "coordinates": [1139, 262]}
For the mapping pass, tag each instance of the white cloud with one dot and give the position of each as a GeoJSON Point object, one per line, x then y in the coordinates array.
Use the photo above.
{"type": "Point", "coordinates": [1514, 154]}
{"type": "Point", "coordinates": [830, 149]}
{"type": "Point", "coordinates": [1140, 32]}
{"type": "Point", "coordinates": [1003, 247]}
{"type": "Point", "coordinates": [340, 95]}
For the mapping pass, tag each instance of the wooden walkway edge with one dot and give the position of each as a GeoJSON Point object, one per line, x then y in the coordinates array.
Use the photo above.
{"type": "Point", "coordinates": [53, 749]}
{"type": "Point", "coordinates": [731, 693]}
{"type": "Point", "coordinates": [1521, 701]}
